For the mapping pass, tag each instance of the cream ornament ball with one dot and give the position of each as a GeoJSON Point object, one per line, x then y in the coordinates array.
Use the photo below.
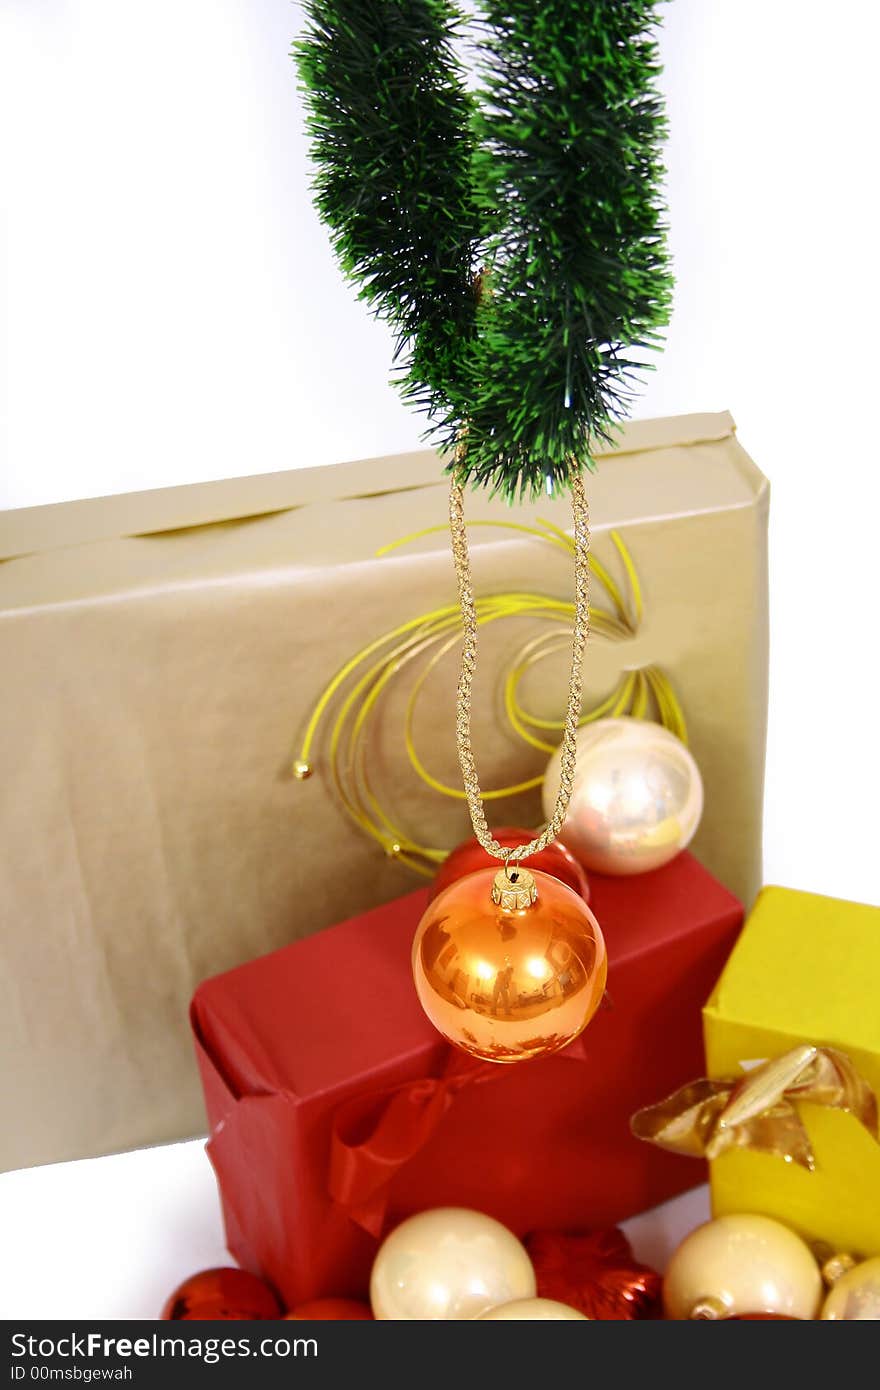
{"type": "Point", "coordinates": [855, 1296]}
{"type": "Point", "coordinates": [448, 1263]}
{"type": "Point", "coordinates": [533, 1310]}
{"type": "Point", "coordinates": [742, 1264]}
{"type": "Point", "coordinates": [637, 797]}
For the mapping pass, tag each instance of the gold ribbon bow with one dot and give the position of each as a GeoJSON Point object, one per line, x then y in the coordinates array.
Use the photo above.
{"type": "Point", "coordinates": [758, 1111]}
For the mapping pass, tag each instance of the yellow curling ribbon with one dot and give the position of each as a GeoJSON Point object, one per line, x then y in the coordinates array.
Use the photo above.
{"type": "Point", "coordinates": [758, 1111]}
{"type": "Point", "coordinates": [355, 692]}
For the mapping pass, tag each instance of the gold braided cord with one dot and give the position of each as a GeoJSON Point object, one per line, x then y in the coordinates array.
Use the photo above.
{"type": "Point", "coordinates": [467, 603]}
{"type": "Point", "coordinates": [352, 699]}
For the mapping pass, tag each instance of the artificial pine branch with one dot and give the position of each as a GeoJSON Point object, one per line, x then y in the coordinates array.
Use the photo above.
{"type": "Point", "coordinates": [551, 178]}
{"type": "Point", "coordinates": [389, 118]}
{"type": "Point", "coordinates": [569, 127]}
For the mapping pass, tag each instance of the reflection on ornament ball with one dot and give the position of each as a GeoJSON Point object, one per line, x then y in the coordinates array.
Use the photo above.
{"type": "Point", "coordinates": [532, 1310]}
{"type": "Point", "coordinates": [470, 856]}
{"type": "Point", "coordinates": [215, 1295]}
{"type": "Point", "coordinates": [742, 1264]}
{"type": "Point", "coordinates": [637, 797]}
{"type": "Point", "coordinates": [510, 979]}
{"type": "Point", "coordinates": [855, 1296]}
{"type": "Point", "coordinates": [449, 1263]}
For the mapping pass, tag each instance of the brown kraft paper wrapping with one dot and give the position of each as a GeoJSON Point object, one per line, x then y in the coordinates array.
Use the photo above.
{"type": "Point", "coordinates": [161, 653]}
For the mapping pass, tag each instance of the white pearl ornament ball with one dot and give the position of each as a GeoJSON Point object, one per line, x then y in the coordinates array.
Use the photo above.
{"type": "Point", "coordinates": [533, 1310]}
{"type": "Point", "coordinates": [855, 1296]}
{"type": "Point", "coordinates": [637, 798]}
{"type": "Point", "coordinates": [448, 1263]}
{"type": "Point", "coordinates": [742, 1264]}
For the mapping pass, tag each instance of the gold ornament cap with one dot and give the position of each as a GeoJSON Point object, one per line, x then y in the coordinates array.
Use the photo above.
{"type": "Point", "coordinates": [840, 1263]}
{"type": "Point", "coordinates": [709, 1309]}
{"type": "Point", "coordinates": [514, 889]}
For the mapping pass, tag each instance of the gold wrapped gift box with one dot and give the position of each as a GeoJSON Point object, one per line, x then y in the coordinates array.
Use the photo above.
{"type": "Point", "coordinates": [161, 655]}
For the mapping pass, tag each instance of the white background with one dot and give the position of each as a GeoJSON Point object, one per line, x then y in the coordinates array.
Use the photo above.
{"type": "Point", "coordinates": [171, 313]}
{"type": "Point", "coordinates": [114, 1237]}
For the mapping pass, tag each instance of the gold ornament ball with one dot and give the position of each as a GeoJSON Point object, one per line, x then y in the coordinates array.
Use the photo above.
{"type": "Point", "coordinates": [855, 1296]}
{"type": "Point", "coordinates": [742, 1264]}
{"type": "Point", "coordinates": [512, 979]}
{"type": "Point", "coordinates": [532, 1310]}
{"type": "Point", "coordinates": [449, 1263]}
{"type": "Point", "coordinates": [637, 797]}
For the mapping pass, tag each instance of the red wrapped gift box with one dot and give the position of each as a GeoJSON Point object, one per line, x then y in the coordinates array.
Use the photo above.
{"type": "Point", "coordinates": [335, 1109]}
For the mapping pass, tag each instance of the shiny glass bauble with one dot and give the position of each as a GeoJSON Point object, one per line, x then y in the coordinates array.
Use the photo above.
{"type": "Point", "coordinates": [742, 1264]}
{"type": "Point", "coordinates": [218, 1294]}
{"type": "Point", "coordinates": [637, 796]}
{"type": "Point", "coordinates": [448, 1263]}
{"type": "Point", "coordinates": [507, 983]}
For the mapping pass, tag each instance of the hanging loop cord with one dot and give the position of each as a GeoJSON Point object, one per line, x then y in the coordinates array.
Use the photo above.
{"type": "Point", "coordinates": [467, 602]}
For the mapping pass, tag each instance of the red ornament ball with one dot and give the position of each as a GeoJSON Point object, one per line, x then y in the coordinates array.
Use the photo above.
{"type": "Point", "coordinates": [760, 1317]}
{"type": "Point", "coordinates": [331, 1310]}
{"type": "Point", "coordinates": [222, 1294]}
{"type": "Point", "coordinates": [469, 857]}
{"type": "Point", "coordinates": [596, 1273]}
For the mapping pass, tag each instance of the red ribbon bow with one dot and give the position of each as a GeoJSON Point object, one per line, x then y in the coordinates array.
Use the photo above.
{"type": "Point", "coordinates": [373, 1136]}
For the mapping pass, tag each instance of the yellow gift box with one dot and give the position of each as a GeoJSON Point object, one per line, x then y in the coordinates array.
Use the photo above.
{"type": "Point", "coordinates": [806, 969]}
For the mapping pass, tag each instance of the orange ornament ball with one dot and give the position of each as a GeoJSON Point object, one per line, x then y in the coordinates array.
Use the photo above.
{"type": "Point", "coordinates": [222, 1294]}
{"type": "Point", "coordinates": [469, 857]}
{"type": "Point", "coordinates": [509, 967]}
{"type": "Point", "coordinates": [330, 1310]}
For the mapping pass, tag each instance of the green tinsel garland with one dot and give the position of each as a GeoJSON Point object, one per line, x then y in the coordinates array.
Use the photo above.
{"type": "Point", "coordinates": [547, 180]}
{"type": "Point", "coordinates": [392, 143]}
